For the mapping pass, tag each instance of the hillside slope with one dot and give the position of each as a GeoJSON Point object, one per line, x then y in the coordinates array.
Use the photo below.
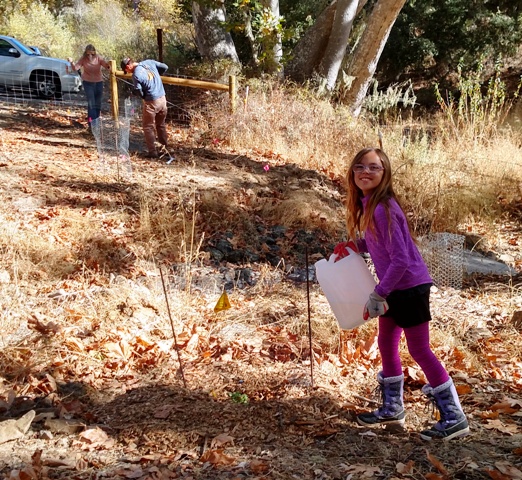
{"type": "Point", "coordinates": [108, 290]}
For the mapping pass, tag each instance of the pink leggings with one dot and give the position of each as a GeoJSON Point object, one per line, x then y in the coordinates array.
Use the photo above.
{"type": "Point", "coordinates": [418, 341]}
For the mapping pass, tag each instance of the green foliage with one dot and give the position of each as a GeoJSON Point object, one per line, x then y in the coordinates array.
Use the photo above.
{"type": "Point", "coordinates": [112, 27]}
{"type": "Point", "coordinates": [477, 110]}
{"type": "Point", "coordinates": [9, 7]}
{"type": "Point", "coordinates": [298, 17]}
{"type": "Point", "coordinates": [113, 30]}
{"type": "Point", "coordinates": [39, 27]}
{"type": "Point", "coordinates": [238, 397]}
{"type": "Point", "coordinates": [295, 18]}
{"type": "Point", "coordinates": [439, 34]}
{"type": "Point", "coordinates": [218, 70]}
{"type": "Point", "coordinates": [160, 13]}
{"type": "Point", "coordinates": [258, 32]}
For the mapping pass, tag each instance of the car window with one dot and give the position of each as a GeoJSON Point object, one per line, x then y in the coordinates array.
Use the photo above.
{"type": "Point", "coordinates": [22, 47]}
{"type": "Point", "coordinates": [4, 48]}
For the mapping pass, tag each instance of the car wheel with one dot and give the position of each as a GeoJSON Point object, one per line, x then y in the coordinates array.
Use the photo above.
{"type": "Point", "coordinates": [47, 86]}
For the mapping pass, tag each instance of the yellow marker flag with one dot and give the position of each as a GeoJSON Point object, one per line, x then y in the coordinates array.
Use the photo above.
{"type": "Point", "coordinates": [222, 303]}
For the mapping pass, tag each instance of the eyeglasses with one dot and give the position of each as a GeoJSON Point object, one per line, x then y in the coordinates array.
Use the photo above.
{"type": "Point", "coordinates": [371, 169]}
{"type": "Point", "coordinates": [92, 54]}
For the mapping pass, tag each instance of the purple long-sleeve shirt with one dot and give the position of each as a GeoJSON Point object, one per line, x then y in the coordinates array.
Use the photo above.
{"type": "Point", "coordinates": [398, 262]}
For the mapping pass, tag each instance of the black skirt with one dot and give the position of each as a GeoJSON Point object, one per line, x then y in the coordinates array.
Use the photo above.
{"type": "Point", "coordinates": [409, 307]}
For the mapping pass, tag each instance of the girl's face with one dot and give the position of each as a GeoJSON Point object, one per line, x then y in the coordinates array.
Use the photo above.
{"type": "Point", "coordinates": [368, 173]}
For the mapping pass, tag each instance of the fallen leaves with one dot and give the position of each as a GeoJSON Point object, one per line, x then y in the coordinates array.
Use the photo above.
{"type": "Point", "coordinates": [217, 457]}
{"type": "Point", "coordinates": [438, 465]}
{"type": "Point", "coordinates": [95, 438]}
{"type": "Point", "coordinates": [501, 427]}
{"type": "Point", "coordinates": [362, 471]}
{"type": "Point", "coordinates": [505, 471]}
{"type": "Point", "coordinates": [163, 412]}
{"type": "Point", "coordinates": [220, 440]}
{"type": "Point", "coordinates": [44, 328]}
{"type": "Point", "coordinates": [509, 470]}
{"type": "Point", "coordinates": [405, 469]}
{"type": "Point", "coordinates": [117, 352]}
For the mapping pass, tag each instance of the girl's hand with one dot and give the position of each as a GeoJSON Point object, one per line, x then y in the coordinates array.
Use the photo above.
{"type": "Point", "coordinates": [375, 306]}
{"type": "Point", "coordinates": [340, 249]}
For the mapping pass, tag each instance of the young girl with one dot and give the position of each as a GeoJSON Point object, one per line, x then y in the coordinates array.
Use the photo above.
{"type": "Point", "coordinates": [92, 80]}
{"type": "Point", "coordinates": [400, 300]}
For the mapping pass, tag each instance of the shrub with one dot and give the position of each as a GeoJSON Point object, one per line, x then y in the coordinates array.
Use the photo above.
{"type": "Point", "coordinates": [476, 112]}
{"type": "Point", "coordinates": [117, 31]}
{"type": "Point", "coordinates": [113, 30]}
{"type": "Point", "coordinates": [39, 27]}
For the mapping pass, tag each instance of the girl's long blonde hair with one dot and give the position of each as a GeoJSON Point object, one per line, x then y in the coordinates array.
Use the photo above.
{"type": "Point", "coordinates": [357, 219]}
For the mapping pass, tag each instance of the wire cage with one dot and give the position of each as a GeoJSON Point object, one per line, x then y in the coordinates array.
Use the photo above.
{"type": "Point", "coordinates": [444, 256]}
{"type": "Point", "coordinates": [112, 142]}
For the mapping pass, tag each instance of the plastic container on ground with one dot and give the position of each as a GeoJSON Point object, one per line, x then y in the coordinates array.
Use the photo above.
{"type": "Point", "coordinates": [346, 285]}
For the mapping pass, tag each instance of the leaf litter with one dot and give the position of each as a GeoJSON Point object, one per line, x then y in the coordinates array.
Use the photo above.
{"type": "Point", "coordinates": [96, 361]}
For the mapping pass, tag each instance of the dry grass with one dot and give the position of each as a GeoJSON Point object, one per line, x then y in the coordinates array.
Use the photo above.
{"type": "Point", "coordinates": [446, 180]}
{"type": "Point", "coordinates": [292, 124]}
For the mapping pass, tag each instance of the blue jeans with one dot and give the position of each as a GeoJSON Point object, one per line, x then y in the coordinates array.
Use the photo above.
{"type": "Point", "coordinates": [93, 92]}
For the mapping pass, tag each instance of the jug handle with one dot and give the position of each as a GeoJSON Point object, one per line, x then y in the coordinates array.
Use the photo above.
{"type": "Point", "coordinates": [333, 256]}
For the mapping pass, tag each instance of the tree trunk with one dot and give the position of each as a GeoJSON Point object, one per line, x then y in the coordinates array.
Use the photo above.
{"type": "Point", "coordinates": [212, 40]}
{"type": "Point", "coordinates": [338, 41]}
{"type": "Point", "coordinates": [364, 60]}
{"type": "Point", "coordinates": [307, 54]}
{"type": "Point", "coordinates": [273, 51]}
{"type": "Point", "coordinates": [309, 51]}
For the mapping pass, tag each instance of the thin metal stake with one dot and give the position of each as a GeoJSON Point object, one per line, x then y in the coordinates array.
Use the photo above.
{"type": "Point", "coordinates": [173, 331]}
{"type": "Point", "coordinates": [309, 319]}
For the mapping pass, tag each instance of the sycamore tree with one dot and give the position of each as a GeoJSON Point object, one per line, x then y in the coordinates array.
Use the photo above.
{"type": "Point", "coordinates": [321, 50]}
{"type": "Point", "coordinates": [363, 61]}
{"type": "Point", "coordinates": [213, 40]}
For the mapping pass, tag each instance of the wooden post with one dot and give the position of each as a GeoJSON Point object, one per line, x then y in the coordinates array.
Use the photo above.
{"type": "Point", "coordinates": [159, 36]}
{"type": "Point", "coordinates": [114, 90]}
{"type": "Point", "coordinates": [232, 88]}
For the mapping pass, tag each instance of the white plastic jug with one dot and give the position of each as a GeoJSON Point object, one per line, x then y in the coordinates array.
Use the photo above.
{"type": "Point", "coordinates": [346, 285]}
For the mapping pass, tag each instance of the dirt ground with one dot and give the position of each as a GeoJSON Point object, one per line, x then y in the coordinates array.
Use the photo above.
{"type": "Point", "coordinates": [246, 402]}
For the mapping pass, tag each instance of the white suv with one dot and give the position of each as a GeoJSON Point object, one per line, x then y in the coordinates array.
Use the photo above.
{"type": "Point", "coordinates": [25, 68]}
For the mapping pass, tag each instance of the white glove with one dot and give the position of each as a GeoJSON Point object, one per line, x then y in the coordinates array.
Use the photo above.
{"type": "Point", "coordinates": [375, 306]}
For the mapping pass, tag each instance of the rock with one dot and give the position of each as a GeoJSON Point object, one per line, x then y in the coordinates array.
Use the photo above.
{"type": "Point", "coordinates": [474, 262]}
{"type": "Point", "coordinates": [246, 275]}
{"type": "Point", "coordinates": [216, 254]}
{"type": "Point", "coordinates": [15, 429]}
{"type": "Point", "coordinates": [61, 425]}
{"type": "Point", "coordinates": [46, 435]}
{"type": "Point", "coordinates": [224, 246]}
{"type": "Point", "coordinates": [299, 274]}
{"type": "Point", "coordinates": [251, 256]}
{"type": "Point", "coordinates": [506, 258]}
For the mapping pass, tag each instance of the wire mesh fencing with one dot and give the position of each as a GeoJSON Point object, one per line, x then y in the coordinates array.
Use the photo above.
{"type": "Point", "coordinates": [112, 143]}
{"type": "Point", "coordinates": [444, 256]}
{"type": "Point", "coordinates": [28, 73]}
